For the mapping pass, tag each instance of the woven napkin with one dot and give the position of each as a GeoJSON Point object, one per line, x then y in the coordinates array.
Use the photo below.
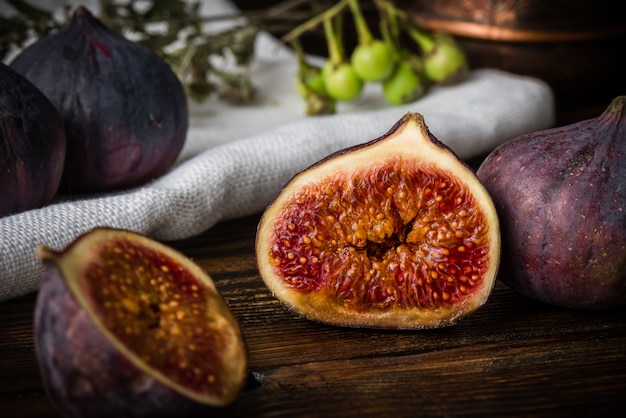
{"type": "Point", "coordinates": [237, 158]}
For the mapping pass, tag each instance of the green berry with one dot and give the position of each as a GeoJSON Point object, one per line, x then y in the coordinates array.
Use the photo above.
{"type": "Point", "coordinates": [373, 61]}
{"type": "Point", "coordinates": [341, 81]}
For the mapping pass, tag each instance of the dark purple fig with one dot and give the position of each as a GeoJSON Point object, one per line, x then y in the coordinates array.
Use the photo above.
{"type": "Point", "coordinates": [32, 145]}
{"type": "Point", "coordinates": [561, 198]}
{"type": "Point", "coordinates": [128, 327]}
{"type": "Point", "coordinates": [125, 111]}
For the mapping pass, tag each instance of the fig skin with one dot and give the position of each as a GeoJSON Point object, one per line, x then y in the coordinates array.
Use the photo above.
{"type": "Point", "coordinates": [125, 111]}
{"type": "Point", "coordinates": [560, 194]}
{"type": "Point", "coordinates": [358, 238]}
{"type": "Point", "coordinates": [32, 145]}
{"type": "Point", "coordinates": [88, 372]}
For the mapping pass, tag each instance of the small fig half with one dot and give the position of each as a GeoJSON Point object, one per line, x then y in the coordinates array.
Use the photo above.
{"type": "Point", "coordinates": [394, 233]}
{"type": "Point", "coordinates": [126, 326]}
{"type": "Point", "coordinates": [560, 194]}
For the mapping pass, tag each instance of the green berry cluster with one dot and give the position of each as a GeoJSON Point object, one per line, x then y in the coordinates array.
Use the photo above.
{"type": "Point", "coordinates": [405, 73]}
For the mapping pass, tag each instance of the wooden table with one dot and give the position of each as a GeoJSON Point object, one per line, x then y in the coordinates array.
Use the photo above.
{"type": "Point", "coordinates": [513, 357]}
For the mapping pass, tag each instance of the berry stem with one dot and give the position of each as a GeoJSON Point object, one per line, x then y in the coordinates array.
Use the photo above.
{"type": "Point", "coordinates": [335, 49]}
{"type": "Point", "coordinates": [421, 37]}
{"type": "Point", "coordinates": [315, 21]}
{"type": "Point", "coordinates": [389, 28]}
{"type": "Point", "coordinates": [363, 31]}
{"type": "Point", "coordinates": [299, 51]}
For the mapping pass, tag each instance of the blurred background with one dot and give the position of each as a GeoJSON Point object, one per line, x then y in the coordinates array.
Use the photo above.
{"type": "Point", "coordinates": [576, 46]}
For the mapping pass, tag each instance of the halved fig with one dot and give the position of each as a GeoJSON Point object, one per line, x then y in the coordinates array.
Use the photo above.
{"type": "Point", "coordinates": [127, 326]}
{"type": "Point", "coordinates": [394, 233]}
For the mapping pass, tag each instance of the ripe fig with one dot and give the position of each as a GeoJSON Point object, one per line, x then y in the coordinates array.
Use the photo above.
{"type": "Point", "coordinates": [394, 233]}
{"type": "Point", "coordinates": [126, 326]}
{"type": "Point", "coordinates": [561, 198]}
{"type": "Point", "coordinates": [125, 111]}
{"type": "Point", "coordinates": [32, 145]}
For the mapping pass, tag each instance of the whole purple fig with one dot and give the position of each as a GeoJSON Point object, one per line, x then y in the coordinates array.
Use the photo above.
{"type": "Point", "coordinates": [32, 145]}
{"type": "Point", "coordinates": [561, 198]}
{"type": "Point", "coordinates": [125, 111]}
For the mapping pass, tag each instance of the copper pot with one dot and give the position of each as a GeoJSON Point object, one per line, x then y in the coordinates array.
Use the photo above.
{"type": "Point", "coordinates": [575, 46]}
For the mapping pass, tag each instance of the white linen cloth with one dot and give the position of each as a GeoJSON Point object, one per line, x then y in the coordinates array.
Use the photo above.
{"type": "Point", "coordinates": [237, 158]}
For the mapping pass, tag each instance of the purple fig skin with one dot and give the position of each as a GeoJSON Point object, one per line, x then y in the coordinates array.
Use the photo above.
{"type": "Point", "coordinates": [125, 111]}
{"type": "Point", "coordinates": [32, 145]}
{"type": "Point", "coordinates": [561, 199]}
{"type": "Point", "coordinates": [84, 374]}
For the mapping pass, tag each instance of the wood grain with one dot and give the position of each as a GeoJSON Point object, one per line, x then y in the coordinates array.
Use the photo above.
{"type": "Point", "coordinates": [513, 357]}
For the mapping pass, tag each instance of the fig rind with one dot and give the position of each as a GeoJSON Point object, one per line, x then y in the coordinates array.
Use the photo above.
{"type": "Point", "coordinates": [355, 240]}
{"type": "Point", "coordinates": [561, 196]}
{"type": "Point", "coordinates": [32, 145]}
{"type": "Point", "coordinates": [93, 351]}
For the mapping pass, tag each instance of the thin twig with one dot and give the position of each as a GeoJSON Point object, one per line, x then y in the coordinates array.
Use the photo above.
{"type": "Point", "coordinates": [315, 21]}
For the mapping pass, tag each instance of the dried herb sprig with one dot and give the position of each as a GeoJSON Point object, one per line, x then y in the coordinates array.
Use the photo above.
{"type": "Point", "coordinates": [176, 31]}
{"type": "Point", "coordinates": [26, 23]}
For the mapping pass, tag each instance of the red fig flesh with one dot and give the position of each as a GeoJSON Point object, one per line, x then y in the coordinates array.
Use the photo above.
{"type": "Point", "coordinates": [394, 233]}
{"type": "Point", "coordinates": [561, 197]}
{"type": "Point", "coordinates": [126, 326]}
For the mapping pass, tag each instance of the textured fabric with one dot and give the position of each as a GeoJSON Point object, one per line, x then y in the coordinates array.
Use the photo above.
{"type": "Point", "coordinates": [236, 159]}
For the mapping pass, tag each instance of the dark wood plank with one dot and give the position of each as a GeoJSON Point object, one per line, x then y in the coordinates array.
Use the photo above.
{"type": "Point", "coordinates": [513, 357]}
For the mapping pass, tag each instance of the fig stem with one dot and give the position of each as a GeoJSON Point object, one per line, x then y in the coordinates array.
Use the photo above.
{"type": "Point", "coordinates": [618, 105]}
{"type": "Point", "coordinates": [46, 253]}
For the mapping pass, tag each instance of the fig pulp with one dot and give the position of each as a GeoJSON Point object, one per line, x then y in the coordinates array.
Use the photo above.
{"type": "Point", "coordinates": [32, 145]}
{"type": "Point", "coordinates": [125, 111]}
{"type": "Point", "coordinates": [394, 233]}
{"type": "Point", "coordinates": [561, 198]}
{"type": "Point", "coordinates": [126, 326]}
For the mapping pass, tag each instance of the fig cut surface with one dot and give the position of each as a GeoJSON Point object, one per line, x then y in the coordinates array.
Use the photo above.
{"type": "Point", "coordinates": [394, 233]}
{"type": "Point", "coordinates": [127, 325]}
